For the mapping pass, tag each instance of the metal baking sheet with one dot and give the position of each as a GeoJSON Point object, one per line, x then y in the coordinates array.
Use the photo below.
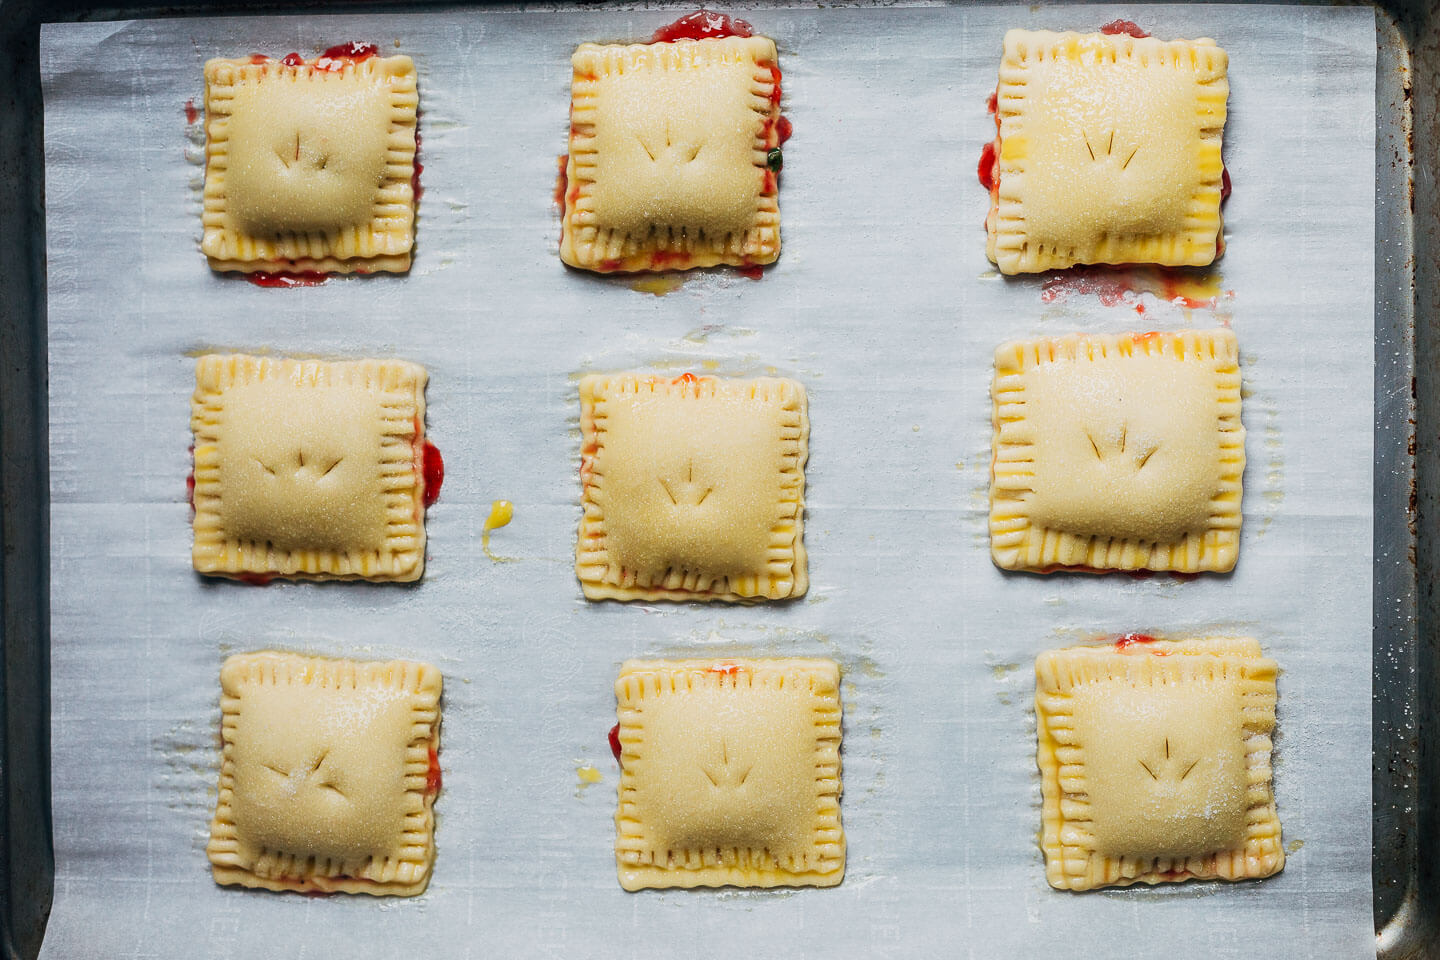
{"type": "Point", "coordinates": [641, 347]}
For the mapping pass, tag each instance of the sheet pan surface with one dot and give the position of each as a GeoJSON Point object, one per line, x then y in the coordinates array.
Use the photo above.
{"type": "Point", "coordinates": [884, 305]}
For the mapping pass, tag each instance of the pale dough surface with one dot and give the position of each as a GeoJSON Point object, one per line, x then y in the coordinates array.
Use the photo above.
{"type": "Point", "coordinates": [693, 488]}
{"type": "Point", "coordinates": [1109, 151]}
{"type": "Point", "coordinates": [1155, 762]}
{"type": "Point", "coordinates": [1118, 452]}
{"type": "Point", "coordinates": [730, 774]}
{"type": "Point", "coordinates": [323, 782]}
{"type": "Point", "coordinates": [309, 468]}
{"type": "Point", "coordinates": [667, 163]}
{"type": "Point", "coordinates": [310, 168]}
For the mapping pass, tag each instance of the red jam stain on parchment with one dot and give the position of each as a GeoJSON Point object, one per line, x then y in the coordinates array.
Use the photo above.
{"type": "Point", "coordinates": [433, 469]}
{"type": "Point", "coordinates": [287, 278]}
{"type": "Point", "coordinates": [333, 60]}
{"type": "Point", "coordinates": [1114, 286]}
{"type": "Point", "coordinates": [255, 579]}
{"type": "Point", "coordinates": [1125, 642]}
{"type": "Point", "coordinates": [1117, 28]}
{"type": "Point", "coordinates": [342, 55]}
{"type": "Point", "coordinates": [191, 114]}
{"type": "Point", "coordinates": [702, 25]}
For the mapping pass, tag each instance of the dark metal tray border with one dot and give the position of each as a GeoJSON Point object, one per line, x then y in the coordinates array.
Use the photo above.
{"type": "Point", "coordinates": [1406, 728]}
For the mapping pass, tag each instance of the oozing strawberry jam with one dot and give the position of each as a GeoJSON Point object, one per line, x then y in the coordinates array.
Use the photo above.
{"type": "Point", "coordinates": [1126, 641]}
{"type": "Point", "coordinates": [615, 741]}
{"type": "Point", "coordinates": [432, 775]}
{"type": "Point", "coordinates": [562, 181]}
{"type": "Point", "coordinates": [191, 114]}
{"type": "Point", "coordinates": [433, 470]}
{"type": "Point", "coordinates": [297, 278]}
{"type": "Point", "coordinates": [339, 55]}
{"type": "Point", "coordinates": [986, 169]}
{"type": "Point", "coordinates": [293, 60]}
{"type": "Point", "coordinates": [1123, 28]}
{"type": "Point", "coordinates": [702, 25]}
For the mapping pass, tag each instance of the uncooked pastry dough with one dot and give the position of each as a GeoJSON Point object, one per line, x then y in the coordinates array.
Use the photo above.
{"type": "Point", "coordinates": [1155, 762]}
{"type": "Point", "coordinates": [307, 468]}
{"type": "Point", "coordinates": [730, 774]}
{"type": "Point", "coordinates": [1118, 452]}
{"type": "Point", "coordinates": [309, 168]}
{"type": "Point", "coordinates": [1109, 151]}
{"type": "Point", "coordinates": [693, 488]}
{"type": "Point", "coordinates": [325, 775]}
{"type": "Point", "coordinates": [667, 165]}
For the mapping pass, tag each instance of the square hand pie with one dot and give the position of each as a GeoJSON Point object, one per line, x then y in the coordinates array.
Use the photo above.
{"type": "Point", "coordinates": [1108, 151]}
{"type": "Point", "coordinates": [328, 775]}
{"type": "Point", "coordinates": [308, 164]}
{"type": "Point", "coordinates": [1117, 453]}
{"type": "Point", "coordinates": [668, 155]}
{"type": "Point", "coordinates": [693, 488]}
{"type": "Point", "coordinates": [730, 774]}
{"type": "Point", "coordinates": [309, 469]}
{"type": "Point", "coordinates": [1155, 762]}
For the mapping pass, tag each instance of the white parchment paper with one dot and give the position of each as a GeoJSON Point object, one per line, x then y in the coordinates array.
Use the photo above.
{"type": "Point", "coordinates": [884, 305]}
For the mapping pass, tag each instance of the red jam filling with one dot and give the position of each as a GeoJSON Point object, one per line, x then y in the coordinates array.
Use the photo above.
{"type": "Point", "coordinates": [293, 60]}
{"type": "Point", "coordinates": [191, 114]}
{"type": "Point", "coordinates": [686, 377]}
{"type": "Point", "coordinates": [1224, 184]}
{"type": "Point", "coordinates": [433, 470]}
{"type": "Point", "coordinates": [255, 579]}
{"type": "Point", "coordinates": [1128, 640]}
{"type": "Point", "coordinates": [258, 58]}
{"type": "Point", "coordinates": [432, 775]}
{"type": "Point", "coordinates": [986, 169]}
{"type": "Point", "coordinates": [562, 182]}
{"type": "Point", "coordinates": [702, 25]}
{"type": "Point", "coordinates": [286, 278]}
{"type": "Point", "coordinates": [338, 56]}
{"type": "Point", "coordinates": [782, 126]}
{"type": "Point", "coordinates": [753, 271]}
{"type": "Point", "coordinates": [1123, 28]}
{"type": "Point", "coordinates": [190, 480]}
{"type": "Point", "coordinates": [725, 669]}
{"type": "Point", "coordinates": [615, 741]}
{"type": "Point", "coordinates": [415, 187]}
{"type": "Point", "coordinates": [664, 260]}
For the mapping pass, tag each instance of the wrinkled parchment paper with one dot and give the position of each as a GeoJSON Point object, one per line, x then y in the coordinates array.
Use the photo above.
{"type": "Point", "coordinates": [884, 305]}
